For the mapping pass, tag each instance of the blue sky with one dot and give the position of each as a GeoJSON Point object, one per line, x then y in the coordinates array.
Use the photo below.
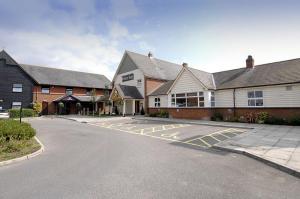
{"type": "Point", "coordinates": [91, 35]}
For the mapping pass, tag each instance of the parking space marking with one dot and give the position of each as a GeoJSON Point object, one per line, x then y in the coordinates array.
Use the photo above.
{"type": "Point", "coordinates": [205, 141]}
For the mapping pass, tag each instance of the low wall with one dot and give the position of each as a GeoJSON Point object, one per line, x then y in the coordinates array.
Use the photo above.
{"type": "Point", "coordinates": [228, 113]}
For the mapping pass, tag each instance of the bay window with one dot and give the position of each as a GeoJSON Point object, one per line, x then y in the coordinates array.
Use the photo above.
{"type": "Point", "coordinates": [193, 99]}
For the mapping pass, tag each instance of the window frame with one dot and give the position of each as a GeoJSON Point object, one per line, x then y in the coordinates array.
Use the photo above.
{"type": "Point", "coordinates": [15, 88]}
{"type": "Point", "coordinates": [45, 87]}
{"type": "Point", "coordinates": [253, 98]}
{"type": "Point", "coordinates": [68, 89]}
{"type": "Point", "coordinates": [157, 102]}
{"type": "Point", "coordinates": [212, 99]}
{"type": "Point", "coordinates": [188, 96]}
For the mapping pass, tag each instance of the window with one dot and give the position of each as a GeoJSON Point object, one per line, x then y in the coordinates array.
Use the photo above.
{"type": "Point", "coordinates": [255, 98]}
{"type": "Point", "coordinates": [157, 102]}
{"type": "Point", "coordinates": [17, 88]}
{"type": "Point", "coordinates": [88, 91]}
{"type": "Point", "coordinates": [194, 99]}
{"type": "Point", "coordinates": [212, 99]}
{"type": "Point", "coordinates": [45, 90]}
{"type": "Point", "coordinates": [181, 100]}
{"type": "Point", "coordinates": [16, 105]}
{"type": "Point", "coordinates": [201, 99]}
{"type": "Point", "coordinates": [128, 77]}
{"type": "Point", "coordinates": [69, 91]}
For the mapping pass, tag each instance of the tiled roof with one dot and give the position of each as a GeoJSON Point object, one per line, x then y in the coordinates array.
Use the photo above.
{"type": "Point", "coordinates": [128, 92]}
{"type": "Point", "coordinates": [283, 72]}
{"type": "Point", "coordinates": [59, 77]}
{"type": "Point", "coordinates": [155, 68]}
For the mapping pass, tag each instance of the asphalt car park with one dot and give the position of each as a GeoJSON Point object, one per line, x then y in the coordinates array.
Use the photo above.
{"type": "Point", "coordinates": [202, 136]}
{"type": "Point", "coordinates": [85, 160]}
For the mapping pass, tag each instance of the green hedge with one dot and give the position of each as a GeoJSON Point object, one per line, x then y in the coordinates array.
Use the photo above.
{"type": "Point", "coordinates": [12, 129]}
{"type": "Point", "coordinates": [26, 112]}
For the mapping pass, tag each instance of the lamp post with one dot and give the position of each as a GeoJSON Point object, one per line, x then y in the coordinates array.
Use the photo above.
{"type": "Point", "coordinates": [21, 114]}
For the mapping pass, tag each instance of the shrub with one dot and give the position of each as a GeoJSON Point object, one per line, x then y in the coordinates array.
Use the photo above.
{"type": "Point", "coordinates": [217, 117]}
{"type": "Point", "coordinates": [26, 112]}
{"type": "Point", "coordinates": [262, 117]}
{"type": "Point", "coordinates": [275, 120]}
{"type": "Point", "coordinates": [163, 114]}
{"type": "Point", "coordinates": [37, 107]}
{"type": "Point", "coordinates": [12, 129]}
{"type": "Point", "coordinates": [295, 120]}
{"type": "Point", "coordinates": [153, 114]}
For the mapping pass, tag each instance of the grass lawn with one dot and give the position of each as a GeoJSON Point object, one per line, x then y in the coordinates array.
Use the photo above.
{"type": "Point", "coordinates": [17, 148]}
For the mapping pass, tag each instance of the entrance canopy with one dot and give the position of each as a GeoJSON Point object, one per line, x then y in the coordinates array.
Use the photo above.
{"type": "Point", "coordinates": [121, 92]}
{"type": "Point", "coordinates": [72, 98]}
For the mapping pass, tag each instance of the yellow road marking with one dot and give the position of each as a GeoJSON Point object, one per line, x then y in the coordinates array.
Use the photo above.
{"type": "Point", "coordinates": [161, 138]}
{"type": "Point", "coordinates": [207, 144]}
{"type": "Point", "coordinates": [215, 138]}
{"type": "Point", "coordinates": [206, 135]}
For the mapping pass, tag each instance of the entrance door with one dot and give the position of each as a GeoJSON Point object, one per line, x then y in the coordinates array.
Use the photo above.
{"type": "Point", "coordinates": [45, 108]}
{"type": "Point", "coordinates": [68, 108]}
{"type": "Point", "coordinates": [137, 107]}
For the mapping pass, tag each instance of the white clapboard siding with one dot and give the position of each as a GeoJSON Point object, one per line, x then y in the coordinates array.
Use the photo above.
{"type": "Point", "coordinates": [224, 98]}
{"type": "Point", "coordinates": [163, 101]}
{"type": "Point", "coordinates": [274, 96]}
{"type": "Point", "coordinates": [137, 75]}
{"type": "Point", "coordinates": [186, 83]}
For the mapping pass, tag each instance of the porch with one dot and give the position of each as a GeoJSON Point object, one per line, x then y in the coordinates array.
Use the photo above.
{"type": "Point", "coordinates": [81, 105]}
{"type": "Point", "coordinates": [127, 100]}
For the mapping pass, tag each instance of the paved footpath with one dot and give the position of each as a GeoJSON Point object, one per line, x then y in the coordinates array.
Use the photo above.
{"type": "Point", "coordinates": [277, 145]}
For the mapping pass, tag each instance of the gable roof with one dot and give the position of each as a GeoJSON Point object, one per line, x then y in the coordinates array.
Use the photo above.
{"type": "Point", "coordinates": [163, 89]}
{"type": "Point", "coordinates": [8, 58]}
{"type": "Point", "coordinates": [152, 67]}
{"type": "Point", "coordinates": [276, 73]}
{"type": "Point", "coordinates": [205, 78]}
{"type": "Point", "coordinates": [60, 77]}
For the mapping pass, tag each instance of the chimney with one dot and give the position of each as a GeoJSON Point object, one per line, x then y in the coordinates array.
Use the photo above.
{"type": "Point", "coordinates": [249, 62]}
{"type": "Point", "coordinates": [184, 64]}
{"type": "Point", "coordinates": [150, 55]}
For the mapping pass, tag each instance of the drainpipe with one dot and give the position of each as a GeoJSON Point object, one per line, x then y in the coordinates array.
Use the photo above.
{"type": "Point", "coordinates": [234, 114]}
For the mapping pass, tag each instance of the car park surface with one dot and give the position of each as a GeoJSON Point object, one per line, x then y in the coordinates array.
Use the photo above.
{"type": "Point", "coordinates": [87, 160]}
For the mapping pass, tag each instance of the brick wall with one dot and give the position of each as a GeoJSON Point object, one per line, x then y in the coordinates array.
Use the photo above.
{"type": "Point", "coordinates": [186, 113]}
{"type": "Point", "coordinates": [56, 92]}
{"type": "Point", "coordinates": [150, 86]}
{"type": "Point", "coordinates": [228, 113]}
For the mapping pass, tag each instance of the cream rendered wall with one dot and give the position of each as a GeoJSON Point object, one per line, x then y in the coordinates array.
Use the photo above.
{"type": "Point", "coordinates": [187, 83]}
{"type": "Point", "coordinates": [137, 75]}
{"type": "Point", "coordinates": [224, 98]}
{"type": "Point", "coordinates": [273, 96]}
{"type": "Point", "coordinates": [163, 101]}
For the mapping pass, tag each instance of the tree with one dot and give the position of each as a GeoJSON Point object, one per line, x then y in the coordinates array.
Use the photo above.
{"type": "Point", "coordinates": [106, 98]}
{"type": "Point", "coordinates": [37, 107]}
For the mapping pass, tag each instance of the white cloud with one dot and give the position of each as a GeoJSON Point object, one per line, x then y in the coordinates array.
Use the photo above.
{"type": "Point", "coordinates": [88, 52]}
